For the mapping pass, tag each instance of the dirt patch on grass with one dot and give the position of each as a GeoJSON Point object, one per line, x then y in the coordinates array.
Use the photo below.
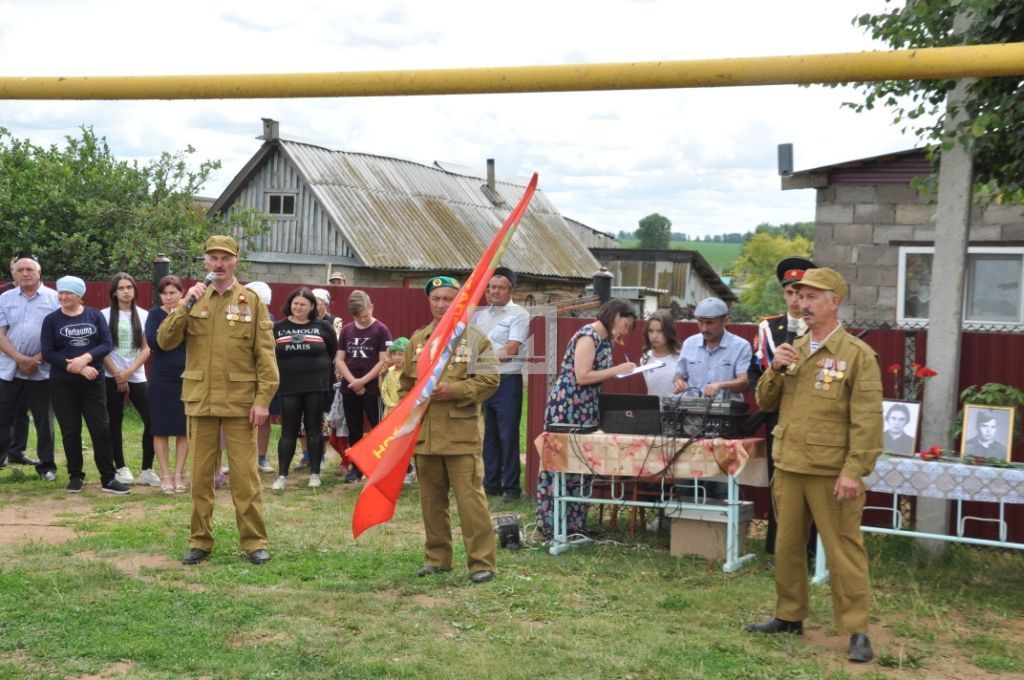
{"type": "Point", "coordinates": [132, 565]}
{"type": "Point", "coordinates": [118, 669]}
{"type": "Point", "coordinates": [44, 520]}
{"type": "Point", "coordinates": [39, 521]}
{"type": "Point", "coordinates": [255, 638]}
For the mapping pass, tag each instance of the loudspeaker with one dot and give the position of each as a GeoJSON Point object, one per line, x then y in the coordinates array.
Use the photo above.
{"type": "Point", "coordinates": [785, 159]}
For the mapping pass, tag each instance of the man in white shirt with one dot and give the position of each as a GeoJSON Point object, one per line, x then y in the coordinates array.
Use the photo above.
{"type": "Point", "coordinates": [507, 326]}
{"type": "Point", "coordinates": [23, 373]}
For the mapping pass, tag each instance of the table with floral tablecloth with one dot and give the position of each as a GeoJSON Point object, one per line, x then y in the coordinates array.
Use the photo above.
{"type": "Point", "coordinates": [618, 456]}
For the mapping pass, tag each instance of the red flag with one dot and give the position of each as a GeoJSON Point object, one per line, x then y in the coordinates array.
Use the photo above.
{"type": "Point", "coordinates": [384, 454]}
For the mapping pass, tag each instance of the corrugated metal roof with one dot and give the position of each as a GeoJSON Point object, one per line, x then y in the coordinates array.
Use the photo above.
{"type": "Point", "coordinates": [397, 214]}
{"type": "Point", "coordinates": [891, 168]}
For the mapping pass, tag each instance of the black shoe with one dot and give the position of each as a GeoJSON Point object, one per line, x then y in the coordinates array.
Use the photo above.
{"type": "Point", "coordinates": [492, 492]}
{"type": "Point", "coordinates": [510, 497]}
{"type": "Point", "coordinates": [774, 625]}
{"type": "Point", "coordinates": [74, 485]}
{"type": "Point", "coordinates": [22, 460]}
{"type": "Point", "coordinates": [860, 649]}
{"type": "Point", "coordinates": [430, 570]}
{"type": "Point", "coordinates": [114, 486]}
{"type": "Point", "coordinates": [354, 476]}
{"type": "Point", "coordinates": [482, 576]}
{"type": "Point", "coordinates": [195, 556]}
{"type": "Point", "coordinates": [259, 556]}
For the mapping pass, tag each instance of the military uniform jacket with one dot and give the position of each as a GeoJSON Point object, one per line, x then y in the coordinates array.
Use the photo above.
{"type": "Point", "coordinates": [453, 427]}
{"type": "Point", "coordinates": [830, 431]}
{"type": "Point", "coordinates": [230, 363]}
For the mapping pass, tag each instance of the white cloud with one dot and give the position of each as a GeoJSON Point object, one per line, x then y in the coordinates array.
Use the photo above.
{"type": "Point", "coordinates": [704, 158]}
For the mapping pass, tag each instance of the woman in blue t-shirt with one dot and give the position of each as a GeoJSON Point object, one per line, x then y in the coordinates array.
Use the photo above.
{"type": "Point", "coordinates": [75, 339]}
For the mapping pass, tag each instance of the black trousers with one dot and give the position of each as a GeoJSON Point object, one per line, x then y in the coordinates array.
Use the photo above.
{"type": "Point", "coordinates": [74, 399]}
{"type": "Point", "coordinates": [15, 396]}
{"type": "Point", "coordinates": [307, 406]}
{"type": "Point", "coordinates": [138, 394]}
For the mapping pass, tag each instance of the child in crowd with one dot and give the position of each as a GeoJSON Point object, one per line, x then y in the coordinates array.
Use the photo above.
{"type": "Point", "coordinates": [389, 386]}
{"type": "Point", "coordinates": [389, 377]}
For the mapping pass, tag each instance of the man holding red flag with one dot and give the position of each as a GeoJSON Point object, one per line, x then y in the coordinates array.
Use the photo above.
{"type": "Point", "coordinates": [449, 444]}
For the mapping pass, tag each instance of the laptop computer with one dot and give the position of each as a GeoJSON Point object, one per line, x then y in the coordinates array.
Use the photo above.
{"type": "Point", "coordinates": [630, 413]}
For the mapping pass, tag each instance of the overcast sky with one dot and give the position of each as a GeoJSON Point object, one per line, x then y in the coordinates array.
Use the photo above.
{"type": "Point", "coordinates": [706, 159]}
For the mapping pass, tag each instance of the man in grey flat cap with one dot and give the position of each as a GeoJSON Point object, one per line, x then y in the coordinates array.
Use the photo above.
{"type": "Point", "coordinates": [714, 359]}
{"type": "Point", "coordinates": [713, 363]}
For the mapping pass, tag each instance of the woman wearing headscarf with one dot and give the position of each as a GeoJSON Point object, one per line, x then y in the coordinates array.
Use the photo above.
{"type": "Point", "coordinates": [75, 339]}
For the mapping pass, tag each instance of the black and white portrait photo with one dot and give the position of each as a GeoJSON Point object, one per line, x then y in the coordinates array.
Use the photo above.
{"type": "Point", "coordinates": [899, 425]}
{"type": "Point", "coordinates": [987, 432]}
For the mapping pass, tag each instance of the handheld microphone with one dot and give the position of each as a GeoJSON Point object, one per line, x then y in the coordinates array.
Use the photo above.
{"type": "Point", "coordinates": [792, 328]}
{"type": "Point", "coordinates": [206, 282]}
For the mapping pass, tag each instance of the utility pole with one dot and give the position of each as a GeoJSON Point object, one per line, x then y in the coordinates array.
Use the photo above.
{"type": "Point", "coordinates": [945, 312]}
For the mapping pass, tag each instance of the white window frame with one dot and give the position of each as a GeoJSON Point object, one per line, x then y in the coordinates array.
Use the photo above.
{"type": "Point", "coordinates": [282, 195]}
{"type": "Point", "coordinates": [902, 319]}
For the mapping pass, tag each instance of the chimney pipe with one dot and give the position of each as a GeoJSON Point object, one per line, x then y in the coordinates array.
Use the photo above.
{"type": "Point", "coordinates": [490, 176]}
{"type": "Point", "coordinates": [603, 284]}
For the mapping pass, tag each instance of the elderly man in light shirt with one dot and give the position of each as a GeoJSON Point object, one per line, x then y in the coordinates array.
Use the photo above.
{"type": "Point", "coordinates": [23, 373]}
{"type": "Point", "coordinates": [507, 326]}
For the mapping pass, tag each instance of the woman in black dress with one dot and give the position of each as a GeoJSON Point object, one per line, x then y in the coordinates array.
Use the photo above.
{"type": "Point", "coordinates": [168, 413]}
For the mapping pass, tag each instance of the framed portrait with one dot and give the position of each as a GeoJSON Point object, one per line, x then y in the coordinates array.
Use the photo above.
{"type": "Point", "coordinates": [987, 432]}
{"type": "Point", "coordinates": [900, 423]}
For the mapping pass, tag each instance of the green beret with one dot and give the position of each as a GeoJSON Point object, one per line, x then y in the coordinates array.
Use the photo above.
{"type": "Point", "coordinates": [441, 282]}
{"type": "Point", "coordinates": [399, 345]}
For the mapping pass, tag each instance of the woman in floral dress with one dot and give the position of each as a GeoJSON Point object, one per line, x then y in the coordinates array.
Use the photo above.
{"type": "Point", "coordinates": [573, 399]}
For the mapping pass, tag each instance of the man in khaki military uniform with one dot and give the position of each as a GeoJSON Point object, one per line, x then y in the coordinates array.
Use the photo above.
{"type": "Point", "coordinates": [448, 449]}
{"type": "Point", "coordinates": [230, 376]}
{"type": "Point", "coordinates": [827, 388]}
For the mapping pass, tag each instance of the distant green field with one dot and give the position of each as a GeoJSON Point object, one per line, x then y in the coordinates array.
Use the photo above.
{"type": "Point", "coordinates": [720, 255]}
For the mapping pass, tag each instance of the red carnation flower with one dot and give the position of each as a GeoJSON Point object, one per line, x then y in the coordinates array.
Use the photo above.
{"type": "Point", "coordinates": [895, 368]}
{"type": "Point", "coordinates": [924, 372]}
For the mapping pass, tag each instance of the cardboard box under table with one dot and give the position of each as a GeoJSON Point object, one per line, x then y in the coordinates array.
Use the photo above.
{"type": "Point", "coordinates": [703, 533]}
{"type": "Point", "coordinates": [639, 456]}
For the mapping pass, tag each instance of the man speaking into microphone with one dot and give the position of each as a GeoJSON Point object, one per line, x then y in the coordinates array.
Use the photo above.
{"type": "Point", "coordinates": [230, 377]}
{"type": "Point", "coordinates": [775, 331]}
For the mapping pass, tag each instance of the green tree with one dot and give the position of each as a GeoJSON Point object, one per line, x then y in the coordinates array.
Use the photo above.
{"type": "Point", "coordinates": [994, 108]}
{"type": "Point", "coordinates": [655, 232]}
{"type": "Point", "coordinates": [754, 274]}
{"type": "Point", "coordinates": [788, 230]}
{"type": "Point", "coordinates": [84, 212]}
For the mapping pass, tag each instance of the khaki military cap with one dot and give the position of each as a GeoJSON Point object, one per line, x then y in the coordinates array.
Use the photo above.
{"type": "Point", "coordinates": [225, 243]}
{"type": "Point", "coordinates": [824, 278]}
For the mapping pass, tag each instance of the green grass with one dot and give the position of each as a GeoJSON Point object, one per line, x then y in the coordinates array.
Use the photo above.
{"type": "Point", "coordinates": [114, 602]}
{"type": "Point", "coordinates": [720, 255]}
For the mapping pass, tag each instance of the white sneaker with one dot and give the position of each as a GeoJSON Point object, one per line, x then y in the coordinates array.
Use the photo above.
{"type": "Point", "coordinates": [149, 478]}
{"type": "Point", "coordinates": [124, 475]}
{"type": "Point", "coordinates": [410, 478]}
{"type": "Point", "coordinates": [49, 476]}
{"type": "Point", "coordinates": [279, 483]}
{"type": "Point", "coordinates": [314, 481]}
{"type": "Point", "coordinates": [264, 466]}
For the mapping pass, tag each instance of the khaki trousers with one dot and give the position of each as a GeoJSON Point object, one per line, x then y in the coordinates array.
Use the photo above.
{"type": "Point", "coordinates": [204, 447]}
{"type": "Point", "coordinates": [463, 475]}
{"type": "Point", "coordinates": [798, 499]}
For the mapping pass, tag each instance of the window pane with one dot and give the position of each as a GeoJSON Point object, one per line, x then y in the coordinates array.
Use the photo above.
{"type": "Point", "coordinates": [275, 205]}
{"type": "Point", "coordinates": [917, 289]}
{"type": "Point", "coordinates": [993, 292]}
{"type": "Point", "coordinates": [289, 206]}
